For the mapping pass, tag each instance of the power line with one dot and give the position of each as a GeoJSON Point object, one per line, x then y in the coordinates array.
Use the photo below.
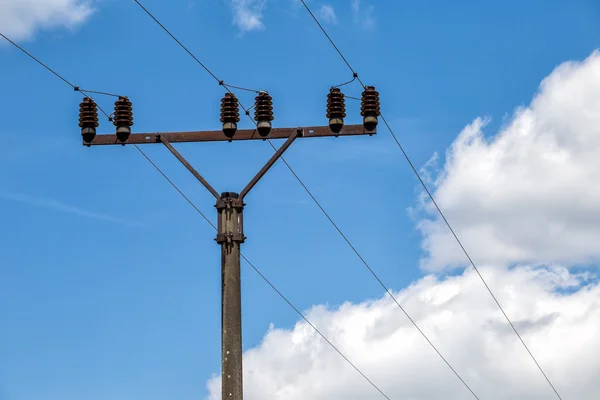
{"type": "Point", "coordinates": [315, 328]}
{"type": "Point", "coordinates": [265, 278]}
{"type": "Point", "coordinates": [38, 61]}
{"type": "Point", "coordinates": [219, 81]}
{"type": "Point", "coordinates": [76, 88]}
{"type": "Point", "coordinates": [348, 82]}
{"type": "Point", "coordinates": [239, 87]}
{"type": "Point", "coordinates": [175, 187]}
{"type": "Point", "coordinates": [178, 42]}
{"type": "Point", "coordinates": [355, 76]}
{"type": "Point", "coordinates": [435, 204]}
{"type": "Point", "coordinates": [214, 227]}
{"type": "Point", "coordinates": [382, 284]}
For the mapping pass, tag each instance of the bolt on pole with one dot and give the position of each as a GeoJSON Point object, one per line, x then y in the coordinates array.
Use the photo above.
{"type": "Point", "coordinates": [230, 205]}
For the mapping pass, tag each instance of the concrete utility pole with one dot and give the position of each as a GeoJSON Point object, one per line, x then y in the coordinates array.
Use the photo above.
{"type": "Point", "coordinates": [230, 206]}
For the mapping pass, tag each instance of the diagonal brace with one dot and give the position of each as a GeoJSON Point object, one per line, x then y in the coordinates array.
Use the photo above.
{"type": "Point", "coordinates": [297, 133]}
{"type": "Point", "coordinates": [269, 164]}
{"type": "Point", "coordinates": [189, 167]}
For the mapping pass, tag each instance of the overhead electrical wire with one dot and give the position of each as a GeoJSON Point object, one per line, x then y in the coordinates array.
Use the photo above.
{"type": "Point", "coordinates": [214, 227]}
{"type": "Point", "coordinates": [76, 88]}
{"type": "Point", "coordinates": [267, 280]}
{"type": "Point", "coordinates": [220, 82]}
{"type": "Point", "coordinates": [430, 195]}
{"type": "Point", "coordinates": [355, 76]}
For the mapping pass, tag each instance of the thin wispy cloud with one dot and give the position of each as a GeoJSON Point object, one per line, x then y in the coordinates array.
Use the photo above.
{"type": "Point", "coordinates": [327, 13]}
{"type": "Point", "coordinates": [363, 15]}
{"type": "Point", "coordinates": [66, 208]}
{"type": "Point", "coordinates": [248, 14]}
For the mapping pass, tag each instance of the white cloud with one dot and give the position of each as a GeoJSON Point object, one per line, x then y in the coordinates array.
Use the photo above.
{"type": "Point", "coordinates": [248, 14]}
{"type": "Point", "coordinates": [327, 13]}
{"type": "Point", "coordinates": [528, 194]}
{"type": "Point", "coordinates": [363, 16]}
{"type": "Point", "coordinates": [562, 331]}
{"type": "Point", "coordinates": [21, 19]}
{"type": "Point", "coordinates": [531, 193]}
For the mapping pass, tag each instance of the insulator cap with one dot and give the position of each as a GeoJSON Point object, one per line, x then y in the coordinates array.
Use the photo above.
{"type": "Point", "coordinates": [230, 114]}
{"type": "Point", "coordinates": [336, 109]}
{"type": "Point", "coordinates": [263, 113]}
{"type": "Point", "coordinates": [370, 108]}
{"type": "Point", "coordinates": [123, 119]}
{"type": "Point", "coordinates": [88, 119]}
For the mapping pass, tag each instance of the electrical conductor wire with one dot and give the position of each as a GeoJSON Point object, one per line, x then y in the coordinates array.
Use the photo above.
{"type": "Point", "coordinates": [214, 227]}
{"type": "Point", "coordinates": [430, 195]}
{"type": "Point", "coordinates": [53, 72]}
{"type": "Point", "coordinates": [220, 82]}
{"type": "Point", "coordinates": [265, 278]}
{"type": "Point", "coordinates": [355, 76]}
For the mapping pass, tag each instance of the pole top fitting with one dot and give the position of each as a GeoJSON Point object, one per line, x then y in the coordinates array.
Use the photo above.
{"type": "Point", "coordinates": [230, 199]}
{"type": "Point", "coordinates": [230, 195]}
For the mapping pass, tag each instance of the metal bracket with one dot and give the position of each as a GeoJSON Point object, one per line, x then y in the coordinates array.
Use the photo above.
{"type": "Point", "coordinates": [230, 237]}
{"type": "Point", "coordinates": [186, 164]}
{"type": "Point", "coordinates": [298, 133]}
{"type": "Point", "coordinates": [230, 205]}
{"type": "Point", "coordinates": [227, 202]}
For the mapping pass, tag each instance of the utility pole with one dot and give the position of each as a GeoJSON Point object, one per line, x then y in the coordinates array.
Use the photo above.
{"type": "Point", "coordinates": [230, 205]}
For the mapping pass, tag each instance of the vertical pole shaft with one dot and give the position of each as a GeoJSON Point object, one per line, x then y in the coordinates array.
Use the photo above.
{"type": "Point", "coordinates": [230, 237]}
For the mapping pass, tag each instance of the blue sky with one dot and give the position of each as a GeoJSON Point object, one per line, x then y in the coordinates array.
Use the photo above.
{"type": "Point", "coordinates": [109, 281]}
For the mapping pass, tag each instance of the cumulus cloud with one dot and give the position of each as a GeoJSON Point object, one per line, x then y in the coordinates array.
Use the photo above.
{"type": "Point", "coordinates": [526, 197]}
{"type": "Point", "coordinates": [327, 13]}
{"type": "Point", "coordinates": [248, 14]}
{"type": "Point", "coordinates": [21, 19]}
{"type": "Point", "coordinates": [560, 326]}
{"type": "Point", "coordinates": [529, 193]}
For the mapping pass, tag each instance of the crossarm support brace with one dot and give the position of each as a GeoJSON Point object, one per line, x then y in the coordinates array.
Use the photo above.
{"type": "Point", "coordinates": [270, 163]}
{"type": "Point", "coordinates": [189, 167]}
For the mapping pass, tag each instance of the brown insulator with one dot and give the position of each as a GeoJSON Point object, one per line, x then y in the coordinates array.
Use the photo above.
{"type": "Point", "coordinates": [336, 109]}
{"type": "Point", "coordinates": [123, 119]}
{"type": "Point", "coordinates": [263, 113]}
{"type": "Point", "coordinates": [369, 107]}
{"type": "Point", "coordinates": [230, 114]}
{"type": "Point", "coordinates": [88, 119]}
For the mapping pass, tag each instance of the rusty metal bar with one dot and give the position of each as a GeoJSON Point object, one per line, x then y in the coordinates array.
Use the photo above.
{"type": "Point", "coordinates": [186, 164]}
{"type": "Point", "coordinates": [219, 136]}
{"type": "Point", "coordinates": [270, 163]}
